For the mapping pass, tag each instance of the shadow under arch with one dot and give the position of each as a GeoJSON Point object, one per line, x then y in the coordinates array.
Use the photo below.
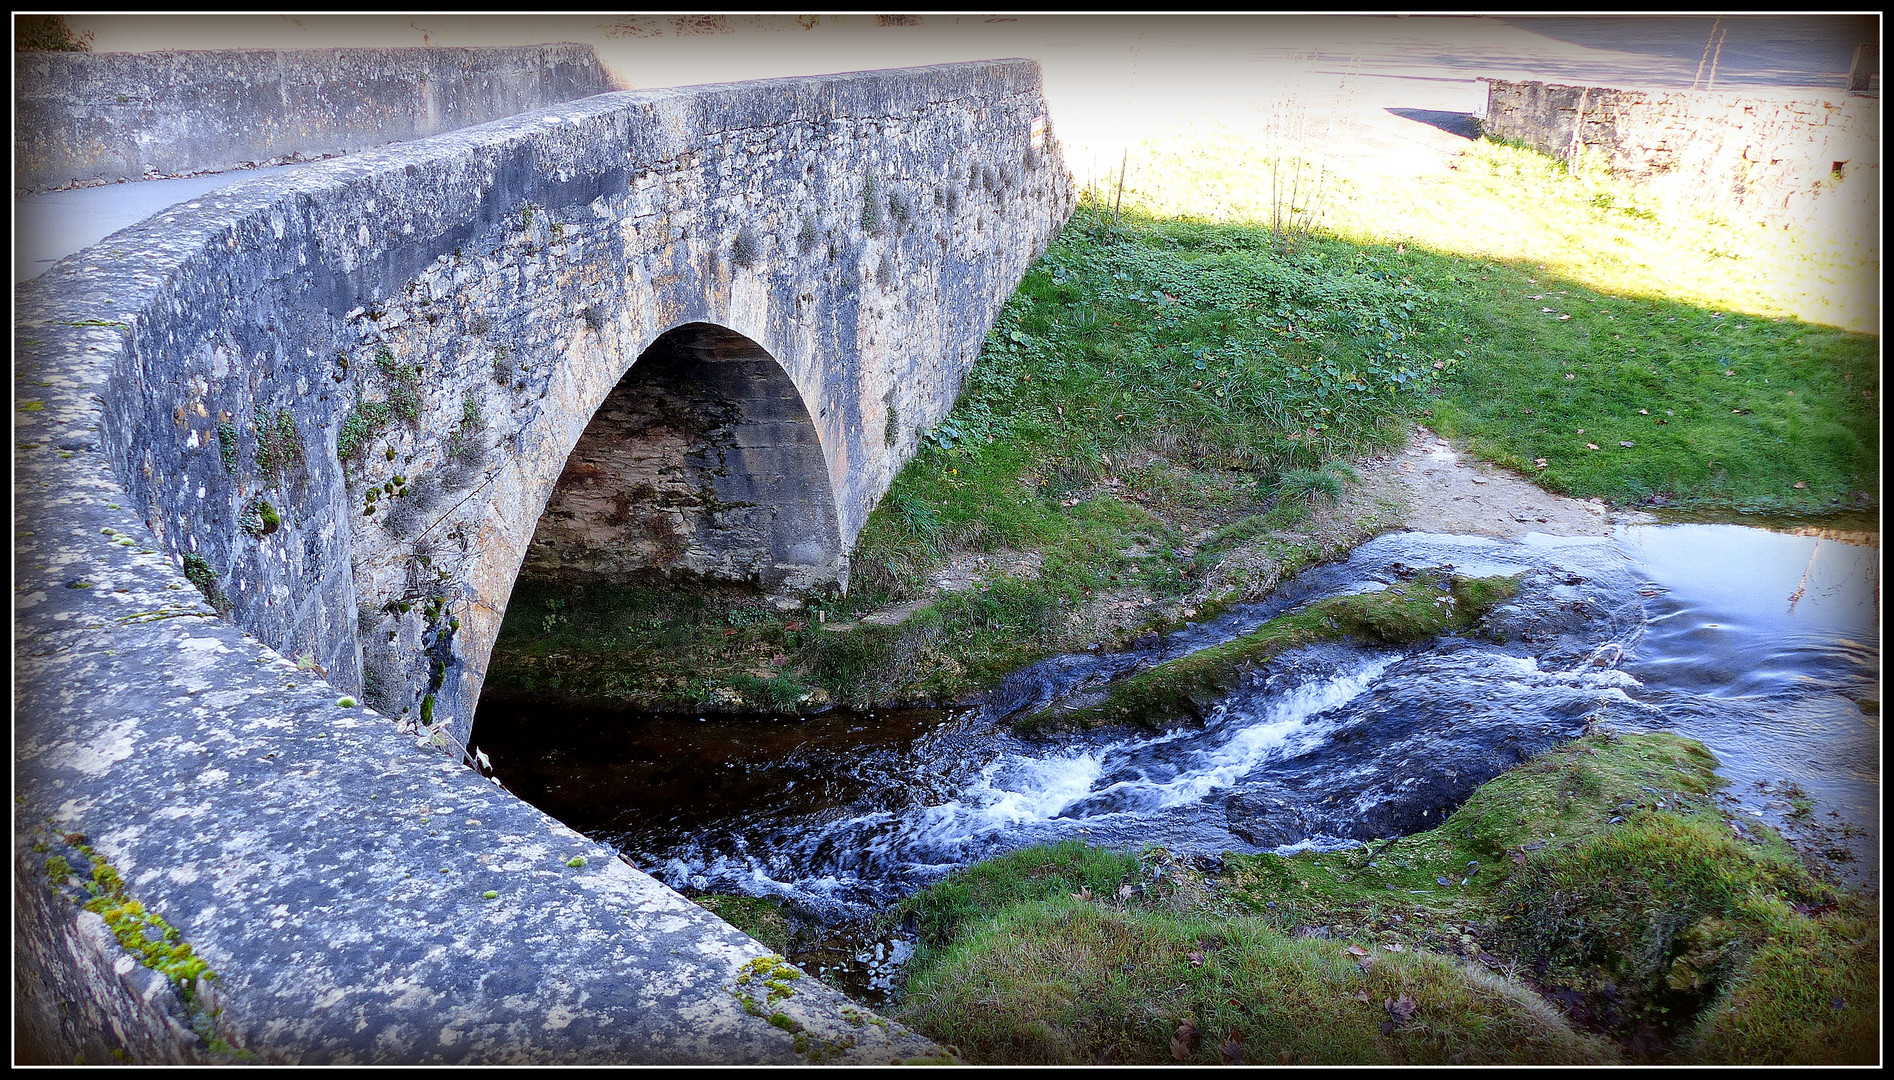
{"type": "Point", "coordinates": [702, 462]}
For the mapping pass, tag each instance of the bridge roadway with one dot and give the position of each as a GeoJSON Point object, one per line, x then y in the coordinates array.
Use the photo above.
{"type": "Point", "coordinates": [359, 896]}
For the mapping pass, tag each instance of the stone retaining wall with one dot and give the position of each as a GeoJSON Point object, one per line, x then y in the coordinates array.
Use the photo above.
{"type": "Point", "coordinates": [181, 391]}
{"type": "Point", "coordinates": [114, 116]}
{"type": "Point", "coordinates": [1754, 154]}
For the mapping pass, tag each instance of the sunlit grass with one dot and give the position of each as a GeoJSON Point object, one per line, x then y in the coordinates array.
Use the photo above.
{"type": "Point", "coordinates": [1511, 204]}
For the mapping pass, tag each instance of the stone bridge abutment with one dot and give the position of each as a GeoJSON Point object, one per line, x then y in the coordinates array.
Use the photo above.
{"type": "Point", "coordinates": [693, 330]}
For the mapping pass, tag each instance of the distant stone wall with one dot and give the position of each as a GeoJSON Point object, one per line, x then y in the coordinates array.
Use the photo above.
{"type": "Point", "coordinates": [1751, 153]}
{"type": "Point", "coordinates": [301, 430]}
{"type": "Point", "coordinates": [116, 116]}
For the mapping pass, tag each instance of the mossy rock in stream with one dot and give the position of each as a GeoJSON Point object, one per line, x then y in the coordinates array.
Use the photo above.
{"type": "Point", "coordinates": [1426, 606]}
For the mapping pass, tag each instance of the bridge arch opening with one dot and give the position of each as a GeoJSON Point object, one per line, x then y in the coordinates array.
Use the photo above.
{"type": "Point", "coordinates": [701, 463]}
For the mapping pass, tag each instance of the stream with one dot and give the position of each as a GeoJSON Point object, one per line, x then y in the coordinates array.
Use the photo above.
{"type": "Point", "coordinates": [1763, 645]}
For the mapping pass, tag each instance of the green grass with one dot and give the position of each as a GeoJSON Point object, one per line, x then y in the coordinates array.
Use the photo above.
{"type": "Point", "coordinates": [1594, 315]}
{"type": "Point", "coordinates": [1603, 868]}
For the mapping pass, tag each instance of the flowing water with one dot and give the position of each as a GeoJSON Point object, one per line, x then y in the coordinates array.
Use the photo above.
{"type": "Point", "coordinates": [1764, 646]}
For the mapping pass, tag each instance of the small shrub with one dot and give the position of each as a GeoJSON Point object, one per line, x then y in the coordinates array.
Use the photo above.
{"type": "Point", "coordinates": [467, 446]}
{"type": "Point", "coordinates": [48, 33]}
{"type": "Point", "coordinates": [403, 517]}
{"type": "Point", "coordinates": [745, 249]}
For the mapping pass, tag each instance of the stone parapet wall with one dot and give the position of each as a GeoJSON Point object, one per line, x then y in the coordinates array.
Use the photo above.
{"type": "Point", "coordinates": [1758, 155]}
{"type": "Point", "coordinates": [204, 403]}
{"type": "Point", "coordinates": [85, 117]}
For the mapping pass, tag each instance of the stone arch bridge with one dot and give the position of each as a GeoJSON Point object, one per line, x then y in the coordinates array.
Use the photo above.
{"type": "Point", "coordinates": [692, 330]}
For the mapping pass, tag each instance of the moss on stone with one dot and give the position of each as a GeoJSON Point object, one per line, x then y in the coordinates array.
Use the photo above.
{"type": "Point", "coordinates": [197, 571]}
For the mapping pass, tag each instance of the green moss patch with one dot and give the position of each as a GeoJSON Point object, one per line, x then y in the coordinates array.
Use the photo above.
{"type": "Point", "coordinates": [760, 917]}
{"type": "Point", "coordinates": [1070, 981]}
{"type": "Point", "coordinates": [1425, 606]}
{"type": "Point", "coordinates": [142, 932]}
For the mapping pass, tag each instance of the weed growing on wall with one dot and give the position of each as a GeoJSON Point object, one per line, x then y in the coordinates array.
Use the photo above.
{"type": "Point", "coordinates": [197, 570]}
{"type": "Point", "coordinates": [404, 386]}
{"type": "Point", "coordinates": [745, 249]}
{"type": "Point", "coordinates": [227, 446]}
{"type": "Point", "coordinates": [872, 211]}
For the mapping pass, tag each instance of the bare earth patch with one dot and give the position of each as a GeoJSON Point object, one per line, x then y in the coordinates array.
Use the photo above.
{"type": "Point", "coordinates": [1448, 492]}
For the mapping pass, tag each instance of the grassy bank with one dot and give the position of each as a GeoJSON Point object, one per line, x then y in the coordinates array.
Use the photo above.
{"type": "Point", "coordinates": [1602, 875]}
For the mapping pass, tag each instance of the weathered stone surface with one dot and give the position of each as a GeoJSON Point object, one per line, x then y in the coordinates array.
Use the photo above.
{"type": "Point", "coordinates": [119, 116]}
{"type": "Point", "coordinates": [180, 392]}
{"type": "Point", "coordinates": [1758, 154]}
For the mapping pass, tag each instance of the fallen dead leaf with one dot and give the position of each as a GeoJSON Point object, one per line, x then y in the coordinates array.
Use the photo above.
{"type": "Point", "coordinates": [1232, 1051]}
{"type": "Point", "coordinates": [1800, 484]}
{"type": "Point", "coordinates": [1401, 1009]}
{"type": "Point", "coordinates": [1084, 893]}
{"type": "Point", "coordinates": [1186, 1039]}
{"type": "Point", "coordinates": [1124, 892]}
{"type": "Point", "coordinates": [1591, 446]}
{"type": "Point", "coordinates": [1195, 958]}
{"type": "Point", "coordinates": [1627, 442]}
{"type": "Point", "coordinates": [1395, 946]}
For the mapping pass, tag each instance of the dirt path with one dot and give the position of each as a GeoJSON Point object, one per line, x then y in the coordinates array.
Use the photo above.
{"type": "Point", "coordinates": [1447, 491]}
